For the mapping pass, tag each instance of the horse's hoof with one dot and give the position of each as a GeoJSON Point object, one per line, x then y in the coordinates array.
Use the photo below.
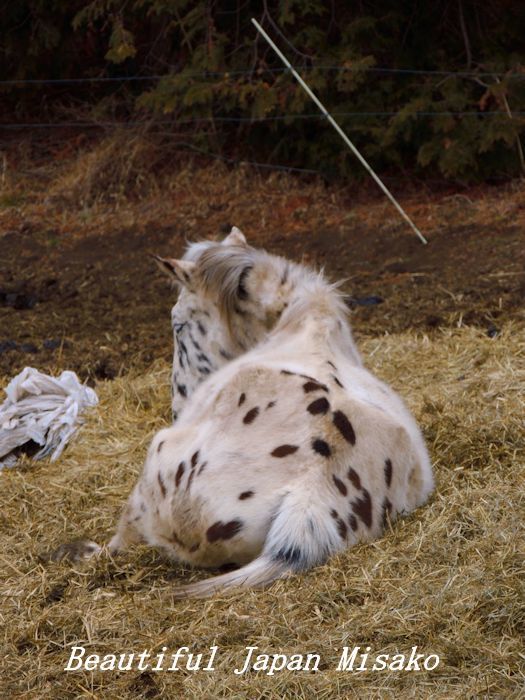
{"type": "Point", "coordinates": [78, 550]}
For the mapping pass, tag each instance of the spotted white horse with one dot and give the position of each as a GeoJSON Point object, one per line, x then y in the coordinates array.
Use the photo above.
{"type": "Point", "coordinates": [287, 454]}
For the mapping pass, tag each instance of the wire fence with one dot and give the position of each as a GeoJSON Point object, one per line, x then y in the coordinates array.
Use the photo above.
{"type": "Point", "coordinates": [256, 72]}
{"type": "Point", "coordinates": [247, 120]}
{"type": "Point", "coordinates": [22, 82]}
{"type": "Point", "coordinates": [235, 161]}
{"type": "Point", "coordinates": [512, 75]}
{"type": "Point", "coordinates": [278, 167]}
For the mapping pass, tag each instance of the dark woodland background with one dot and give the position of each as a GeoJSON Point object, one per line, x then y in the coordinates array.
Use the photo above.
{"type": "Point", "coordinates": [427, 88]}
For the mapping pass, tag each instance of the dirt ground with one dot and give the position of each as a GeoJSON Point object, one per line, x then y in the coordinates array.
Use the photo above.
{"type": "Point", "coordinates": [79, 289]}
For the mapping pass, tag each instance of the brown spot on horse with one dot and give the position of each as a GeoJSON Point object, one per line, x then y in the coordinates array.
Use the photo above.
{"type": "Point", "coordinates": [314, 386]}
{"type": "Point", "coordinates": [284, 450]}
{"type": "Point", "coordinates": [362, 507]}
{"type": "Point", "coordinates": [388, 472]}
{"type": "Point", "coordinates": [354, 478]}
{"type": "Point", "coordinates": [352, 522]}
{"type": "Point", "coordinates": [341, 528]}
{"type": "Point", "coordinates": [162, 485]}
{"type": "Point", "coordinates": [180, 472]}
{"type": "Point", "coordinates": [319, 406]}
{"type": "Point", "coordinates": [321, 447]}
{"type": "Point", "coordinates": [341, 487]}
{"type": "Point", "coordinates": [251, 415]}
{"type": "Point", "coordinates": [344, 426]}
{"type": "Point", "coordinates": [223, 531]}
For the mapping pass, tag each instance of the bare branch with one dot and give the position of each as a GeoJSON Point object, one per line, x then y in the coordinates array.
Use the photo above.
{"type": "Point", "coordinates": [279, 32]}
{"type": "Point", "coordinates": [519, 147]}
{"type": "Point", "coordinates": [465, 35]}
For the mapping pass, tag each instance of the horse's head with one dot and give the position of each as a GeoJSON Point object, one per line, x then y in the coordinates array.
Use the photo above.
{"type": "Point", "coordinates": [202, 339]}
{"type": "Point", "coordinates": [232, 296]}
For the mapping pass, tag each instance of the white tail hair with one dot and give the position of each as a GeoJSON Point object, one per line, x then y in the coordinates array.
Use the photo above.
{"type": "Point", "coordinates": [300, 537]}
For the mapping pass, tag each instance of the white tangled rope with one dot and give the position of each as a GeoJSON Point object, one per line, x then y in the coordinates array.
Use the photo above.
{"type": "Point", "coordinates": [43, 409]}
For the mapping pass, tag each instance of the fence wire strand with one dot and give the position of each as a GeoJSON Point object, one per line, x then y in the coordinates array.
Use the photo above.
{"type": "Point", "coordinates": [245, 120]}
{"type": "Point", "coordinates": [260, 71]}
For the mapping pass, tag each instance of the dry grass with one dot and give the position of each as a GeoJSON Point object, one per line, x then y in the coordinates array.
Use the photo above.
{"type": "Point", "coordinates": [118, 180]}
{"type": "Point", "coordinates": [448, 579]}
{"type": "Point", "coordinates": [119, 165]}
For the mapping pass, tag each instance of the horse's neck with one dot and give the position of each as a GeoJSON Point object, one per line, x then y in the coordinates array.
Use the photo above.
{"type": "Point", "coordinates": [316, 334]}
{"type": "Point", "coordinates": [343, 345]}
{"type": "Point", "coordinates": [248, 333]}
{"type": "Point", "coordinates": [199, 340]}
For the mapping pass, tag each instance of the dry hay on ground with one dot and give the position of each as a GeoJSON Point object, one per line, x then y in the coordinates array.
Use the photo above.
{"type": "Point", "coordinates": [448, 579]}
{"type": "Point", "coordinates": [118, 165]}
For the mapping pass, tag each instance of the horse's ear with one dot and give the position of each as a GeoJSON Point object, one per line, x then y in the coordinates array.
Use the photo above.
{"type": "Point", "coordinates": [235, 237]}
{"type": "Point", "coordinates": [180, 270]}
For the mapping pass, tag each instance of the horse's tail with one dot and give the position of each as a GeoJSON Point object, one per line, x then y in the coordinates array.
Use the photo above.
{"type": "Point", "coordinates": [302, 535]}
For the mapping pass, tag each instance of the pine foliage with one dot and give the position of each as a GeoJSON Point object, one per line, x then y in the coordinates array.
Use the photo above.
{"type": "Point", "coordinates": [223, 85]}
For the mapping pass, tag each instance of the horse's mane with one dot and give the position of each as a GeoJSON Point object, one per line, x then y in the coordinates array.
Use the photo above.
{"type": "Point", "coordinates": [221, 271]}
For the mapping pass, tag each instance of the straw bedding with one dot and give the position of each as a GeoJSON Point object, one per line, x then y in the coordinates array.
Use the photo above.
{"type": "Point", "coordinates": [448, 579]}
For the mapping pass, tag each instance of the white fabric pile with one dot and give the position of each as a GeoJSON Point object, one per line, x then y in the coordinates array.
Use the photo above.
{"type": "Point", "coordinates": [43, 409]}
